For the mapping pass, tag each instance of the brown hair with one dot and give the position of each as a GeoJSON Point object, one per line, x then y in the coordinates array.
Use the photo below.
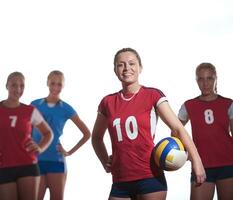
{"type": "Point", "coordinates": [206, 66]}
{"type": "Point", "coordinates": [128, 49]}
{"type": "Point", "coordinates": [12, 75]}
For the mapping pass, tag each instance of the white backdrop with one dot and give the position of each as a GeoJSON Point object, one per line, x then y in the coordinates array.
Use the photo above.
{"type": "Point", "coordinates": [81, 37]}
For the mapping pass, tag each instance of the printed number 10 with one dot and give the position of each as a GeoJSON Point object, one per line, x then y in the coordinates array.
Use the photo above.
{"type": "Point", "coordinates": [132, 134]}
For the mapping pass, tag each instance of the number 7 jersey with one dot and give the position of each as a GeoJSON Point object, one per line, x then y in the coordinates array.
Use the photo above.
{"type": "Point", "coordinates": [15, 131]}
{"type": "Point", "coordinates": [131, 125]}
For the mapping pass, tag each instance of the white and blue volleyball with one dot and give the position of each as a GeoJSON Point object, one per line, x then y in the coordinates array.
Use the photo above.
{"type": "Point", "coordinates": [170, 154]}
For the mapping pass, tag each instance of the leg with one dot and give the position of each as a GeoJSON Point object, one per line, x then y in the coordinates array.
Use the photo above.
{"type": "Point", "coordinates": [32, 185]}
{"type": "Point", "coordinates": [152, 188]}
{"type": "Point", "coordinates": [225, 189]}
{"type": "Point", "coordinates": [154, 195]}
{"type": "Point", "coordinates": [118, 198]}
{"type": "Point", "coordinates": [121, 191]}
{"type": "Point", "coordinates": [205, 191]}
{"type": "Point", "coordinates": [56, 184]}
{"type": "Point", "coordinates": [8, 191]}
{"type": "Point", "coordinates": [42, 187]}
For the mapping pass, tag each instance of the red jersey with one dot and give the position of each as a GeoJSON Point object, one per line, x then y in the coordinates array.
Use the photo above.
{"type": "Point", "coordinates": [131, 125]}
{"type": "Point", "coordinates": [210, 130]}
{"type": "Point", "coordinates": [15, 131]}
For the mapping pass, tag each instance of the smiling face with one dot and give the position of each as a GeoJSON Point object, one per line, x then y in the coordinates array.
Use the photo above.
{"type": "Point", "coordinates": [15, 86]}
{"type": "Point", "coordinates": [55, 83]}
{"type": "Point", "coordinates": [127, 67]}
{"type": "Point", "coordinates": [207, 81]}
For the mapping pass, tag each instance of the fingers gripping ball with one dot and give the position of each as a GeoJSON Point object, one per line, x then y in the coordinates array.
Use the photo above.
{"type": "Point", "coordinates": [170, 154]}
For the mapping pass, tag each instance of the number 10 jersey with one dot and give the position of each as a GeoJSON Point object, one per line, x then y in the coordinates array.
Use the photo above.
{"type": "Point", "coordinates": [131, 125]}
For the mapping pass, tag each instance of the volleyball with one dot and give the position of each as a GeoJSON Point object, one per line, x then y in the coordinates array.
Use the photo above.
{"type": "Point", "coordinates": [170, 154]}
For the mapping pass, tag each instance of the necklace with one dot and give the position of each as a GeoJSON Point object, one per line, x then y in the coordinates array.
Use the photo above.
{"type": "Point", "coordinates": [128, 99]}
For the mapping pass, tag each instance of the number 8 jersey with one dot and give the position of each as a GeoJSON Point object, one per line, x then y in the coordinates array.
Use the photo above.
{"type": "Point", "coordinates": [131, 125]}
{"type": "Point", "coordinates": [210, 121]}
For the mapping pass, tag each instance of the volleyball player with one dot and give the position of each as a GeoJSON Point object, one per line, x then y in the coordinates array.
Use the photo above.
{"type": "Point", "coordinates": [130, 116]}
{"type": "Point", "coordinates": [56, 112]}
{"type": "Point", "coordinates": [19, 172]}
{"type": "Point", "coordinates": [211, 117]}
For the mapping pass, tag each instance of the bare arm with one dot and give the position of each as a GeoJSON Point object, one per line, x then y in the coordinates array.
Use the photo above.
{"type": "Point", "coordinates": [168, 116]}
{"type": "Point", "coordinates": [231, 127]}
{"type": "Point", "coordinates": [86, 135]}
{"type": "Point", "coordinates": [98, 141]}
{"type": "Point", "coordinates": [183, 123]}
{"type": "Point", "coordinates": [46, 139]}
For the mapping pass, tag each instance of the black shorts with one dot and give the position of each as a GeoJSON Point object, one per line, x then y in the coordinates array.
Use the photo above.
{"type": "Point", "coordinates": [217, 173]}
{"type": "Point", "coordinates": [11, 174]}
{"type": "Point", "coordinates": [133, 188]}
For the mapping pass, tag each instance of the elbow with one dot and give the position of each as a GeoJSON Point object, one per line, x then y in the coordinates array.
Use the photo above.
{"type": "Point", "coordinates": [96, 140]}
{"type": "Point", "coordinates": [176, 131]}
{"type": "Point", "coordinates": [174, 134]}
{"type": "Point", "coordinates": [93, 139]}
{"type": "Point", "coordinates": [87, 136]}
{"type": "Point", "coordinates": [50, 137]}
{"type": "Point", "coordinates": [46, 140]}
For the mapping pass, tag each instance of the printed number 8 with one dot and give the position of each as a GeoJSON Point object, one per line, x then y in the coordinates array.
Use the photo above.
{"type": "Point", "coordinates": [209, 116]}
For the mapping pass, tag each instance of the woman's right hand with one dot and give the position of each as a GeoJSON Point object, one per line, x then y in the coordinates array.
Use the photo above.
{"type": "Point", "coordinates": [108, 165]}
{"type": "Point", "coordinates": [199, 173]}
{"type": "Point", "coordinates": [32, 147]}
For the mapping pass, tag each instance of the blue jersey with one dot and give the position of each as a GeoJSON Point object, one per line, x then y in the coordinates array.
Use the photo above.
{"type": "Point", "coordinates": [56, 116]}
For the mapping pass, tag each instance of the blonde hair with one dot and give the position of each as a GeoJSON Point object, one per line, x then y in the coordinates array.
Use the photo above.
{"type": "Point", "coordinates": [57, 73]}
{"type": "Point", "coordinates": [207, 66]}
{"type": "Point", "coordinates": [14, 74]}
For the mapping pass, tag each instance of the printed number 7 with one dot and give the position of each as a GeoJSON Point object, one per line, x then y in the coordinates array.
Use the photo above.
{"type": "Point", "coordinates": [13, 120]}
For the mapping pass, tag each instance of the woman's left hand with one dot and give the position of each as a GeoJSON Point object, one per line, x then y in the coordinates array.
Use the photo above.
{"type": "Point", "coordinates": [62, 150]}
{"type": "Point", "coordinates": [32, 147]}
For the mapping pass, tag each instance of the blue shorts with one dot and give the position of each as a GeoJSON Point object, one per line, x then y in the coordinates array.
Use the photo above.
{"type": "Point", "coordinates": [47, 167]}
{"type": "Point", "coordinates": [12, 174]}
{"type": "Point", "coordinates": [133, 188]}
{"type": "Point", "coordinates": [217, 173]}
